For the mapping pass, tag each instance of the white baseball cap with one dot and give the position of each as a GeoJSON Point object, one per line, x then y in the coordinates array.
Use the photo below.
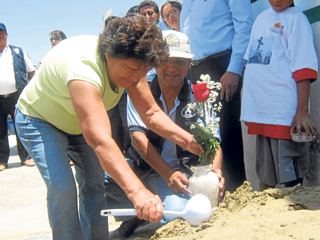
{"type": "Point", "coordinates": [178, 43]}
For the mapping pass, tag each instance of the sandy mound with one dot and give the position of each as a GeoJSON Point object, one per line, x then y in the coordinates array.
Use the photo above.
{"type": "Point", "coordinates": [289, 213]}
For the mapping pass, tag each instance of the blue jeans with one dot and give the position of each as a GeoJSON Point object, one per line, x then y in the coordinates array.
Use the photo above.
{"type": "Point", "coordinates": [172, 201]}
{"type": "Point", "coordinates": [50, 149]}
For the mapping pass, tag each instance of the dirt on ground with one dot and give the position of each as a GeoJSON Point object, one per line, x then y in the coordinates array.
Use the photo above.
{"type": "Point", "coordinates": [288, 213]}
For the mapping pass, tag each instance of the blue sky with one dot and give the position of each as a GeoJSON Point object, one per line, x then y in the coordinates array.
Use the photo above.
{"type": "Point", "coordinates": [29, 22]}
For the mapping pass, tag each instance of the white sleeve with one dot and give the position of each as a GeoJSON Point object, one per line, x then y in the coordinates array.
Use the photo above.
{"type": "Point", "coordinates": [27, 61]}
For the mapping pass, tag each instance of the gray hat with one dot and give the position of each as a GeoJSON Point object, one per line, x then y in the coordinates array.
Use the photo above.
{"type": "Point", "coordinates": [3, 27]}
{"type": "Point", "coordinates": [178, 43]}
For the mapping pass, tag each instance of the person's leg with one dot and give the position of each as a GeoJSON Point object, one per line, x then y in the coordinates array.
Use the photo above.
{"type": "Point", "coordinates": [172, 201]}
{"type": "Point", "coordinates": [294, 183]}
{"type": "Point", "coordinates": [116, 198]}
{"type": "Point", "coordinates": [293, 162]}
{"type": "Point", "coordinates": [48, 146]}
{"type": "Point", "coordinates": [90, 178]}
{"type": "Point", "coordinates": [23, 154]}
{"type": "Point", "coordinates": [4, 142]}
{"type": "Point", "coordinates": [264, 186]}
{"type": "Point", "coordinates": [266, 162]}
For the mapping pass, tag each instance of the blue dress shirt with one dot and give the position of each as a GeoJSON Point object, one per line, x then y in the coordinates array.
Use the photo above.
{"type": "Point", "coordinates": [214, 26]}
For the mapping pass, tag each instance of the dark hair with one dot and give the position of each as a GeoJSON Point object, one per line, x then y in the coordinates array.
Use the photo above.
{"type": "Point", "coordinates": [59, 33]}
{"type": "Point", "coordinates": [134, 9]}
{"type": "Point", "coordinates": [175, 4]}
{"type": "Point", "coordinates": [146, 3]}
{"type": "Point", "coordinates": [133, 36]}
{"type": "Point", "coordinates": [108, 20]}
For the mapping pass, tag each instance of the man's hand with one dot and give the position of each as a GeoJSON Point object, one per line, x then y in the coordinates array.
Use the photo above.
{"type": "Point", "coordinates": [177, 182]}
{"type": "Point", "coordinates": [148, 206]}
{"type": "Point", "coordinates": [221, 181]}
{"type": "Point", "coordinates": [229, 84]}
{"type": "Point", "coordinates": [302, 121]}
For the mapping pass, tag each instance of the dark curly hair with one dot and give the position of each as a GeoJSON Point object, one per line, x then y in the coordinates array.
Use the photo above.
{"type": "Point", "coordinates": [133, 36]}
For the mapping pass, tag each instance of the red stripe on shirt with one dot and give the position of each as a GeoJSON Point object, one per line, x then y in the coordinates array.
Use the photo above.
{"type": "Point", "coordinates": [269, 130]}
{"type": "Point", "coordinates": [305, 73]}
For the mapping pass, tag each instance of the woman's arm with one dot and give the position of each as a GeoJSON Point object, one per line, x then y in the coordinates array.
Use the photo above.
{"type": "Point", "coordinates": [156, 120]}
{"type": "Point", "coordinates": [95, 125]}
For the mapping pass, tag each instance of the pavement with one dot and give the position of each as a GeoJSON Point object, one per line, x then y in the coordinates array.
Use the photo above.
{"type": "Point", "coordinates": [23, 211]}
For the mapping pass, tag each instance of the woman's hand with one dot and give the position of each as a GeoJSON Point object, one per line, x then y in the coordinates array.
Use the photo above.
{"type": "Point", "coordinates": [148, 206]}
{"type": "Point", "coordinates": [193, 147]}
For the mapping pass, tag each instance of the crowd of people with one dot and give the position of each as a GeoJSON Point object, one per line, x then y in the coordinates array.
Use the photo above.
{"type": "Point", "coordinates": [119, 98]}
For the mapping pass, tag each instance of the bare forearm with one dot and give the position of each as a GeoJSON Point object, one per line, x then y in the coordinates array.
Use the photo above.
{"type": "Point", "coordinates": [303, 95]}
{"type": "Point", "coordinates": [114, 163]}
{"type": "Point", "coordinates": [160, 123]}
{"type": "Point", "coordinates": [156, 120]}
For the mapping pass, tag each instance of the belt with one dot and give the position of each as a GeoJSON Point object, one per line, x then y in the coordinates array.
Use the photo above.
{"type": "Point", "coordinates": [198, 61]}
{"type": "Point", "coordinates": [8, 95]}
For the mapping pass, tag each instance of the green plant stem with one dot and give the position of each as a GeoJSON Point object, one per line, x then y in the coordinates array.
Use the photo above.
{"type": "Point", "coordinates": [204, 113]}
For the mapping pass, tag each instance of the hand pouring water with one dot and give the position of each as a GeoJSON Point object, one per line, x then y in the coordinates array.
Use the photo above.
{"type": "Point", "coordinates": [197, 210]}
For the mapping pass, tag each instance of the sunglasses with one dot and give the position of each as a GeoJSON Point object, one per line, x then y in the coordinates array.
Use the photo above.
{"type": "Point", "coordinates": [54, 38]}
{"type": "Point", "coordinates": [173, 11]}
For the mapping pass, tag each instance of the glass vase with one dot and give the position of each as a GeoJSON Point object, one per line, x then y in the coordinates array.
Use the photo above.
{"type": "Point", "coordinates": [206, 182]}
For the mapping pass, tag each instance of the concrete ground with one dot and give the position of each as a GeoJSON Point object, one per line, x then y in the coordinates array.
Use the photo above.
{"type": "Point", "coordinates": [23, 212]}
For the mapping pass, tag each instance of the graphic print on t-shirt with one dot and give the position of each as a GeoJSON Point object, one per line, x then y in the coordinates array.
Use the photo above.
{"type": "Point", "coordinates": [261, 50]}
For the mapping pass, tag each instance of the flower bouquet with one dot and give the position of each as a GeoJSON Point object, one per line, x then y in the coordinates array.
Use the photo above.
{"type": "Point", "coordinates": [206, 107]}
{"type": "Point", "coordinates": [204, 180]}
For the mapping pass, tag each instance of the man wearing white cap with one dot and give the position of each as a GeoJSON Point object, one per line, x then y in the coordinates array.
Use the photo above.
{"type": "Point", "coordinates": [154, 159]}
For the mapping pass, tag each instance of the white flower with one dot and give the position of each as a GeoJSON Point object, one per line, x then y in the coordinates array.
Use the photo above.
{"type": "Point", "coordinates": [211, 85]}
{"type": "Point", "coordinates": [205, 78]}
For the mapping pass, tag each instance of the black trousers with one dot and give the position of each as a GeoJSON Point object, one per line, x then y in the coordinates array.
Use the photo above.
{"type": "Point", "coordinates": [230, 127]}
{"type": "Point", "coordinates": [7, 106]}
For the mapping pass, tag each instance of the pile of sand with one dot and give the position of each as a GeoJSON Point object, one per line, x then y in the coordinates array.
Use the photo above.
{"type": "Point", "coordinates": [289, 213]}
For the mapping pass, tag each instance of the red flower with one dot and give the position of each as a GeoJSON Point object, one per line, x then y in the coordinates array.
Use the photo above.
{"type": "Point", "coordinates": [201, 92]}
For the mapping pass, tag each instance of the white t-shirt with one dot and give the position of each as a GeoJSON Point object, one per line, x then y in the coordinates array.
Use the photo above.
{"type": "Point", "coordinates": [7, 78]}
{"type": "Point", "coordinates": [280, 44]}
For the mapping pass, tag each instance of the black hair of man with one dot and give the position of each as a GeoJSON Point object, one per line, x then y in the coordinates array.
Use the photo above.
{"type": "Point", "coordinates": [134, 9]}
{"type": "Point", "coordinates": [150, 3]}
